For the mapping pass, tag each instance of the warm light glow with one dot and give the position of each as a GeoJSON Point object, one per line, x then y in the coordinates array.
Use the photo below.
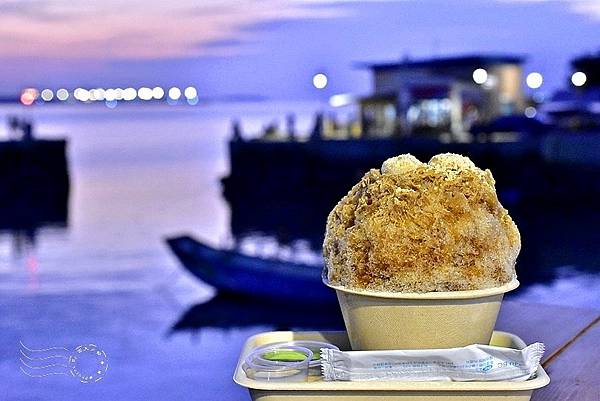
{"type": "Point", "coordinates": [342, 99]}
{"type": "Point", "coordinates": [110, 95]}
{"type": "Point", "coordinates": [490, 82]}
{"type": "Point", "coordinates": [144, 93]}
{"type": "Point", "coordinates": [129, 94]}
{"type": "Point", "coordinates": [47, 95]}
{"type": "Point", "coordinates": [534, 80]}
{"type": "Point", "coordinates": [62, 94]}
{"type": "Point", "coordinates": [190, 93]}
{"type": "Point", "coordinates": [158, 93]}
{"type": "Point", "coordinates": [28, 96]}
{"type": "Point", "coordinates": [319, 81]}
{"type": "Point", "coordinates": [81, 94]}
{"type": "Point", "coordinates": [480, 76]}
{"type": "Point", "coordinates": [530, 112]}
{"type": "Point", "coordinates": [578, 78]}
{"type": "Point", "coordinates": [97, 94]}
{"type": "Point", "coordinates": [174, 93]}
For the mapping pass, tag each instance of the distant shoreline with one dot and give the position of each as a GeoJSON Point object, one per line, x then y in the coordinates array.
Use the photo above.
{"type": "Point", "coordinates": [245, 98]}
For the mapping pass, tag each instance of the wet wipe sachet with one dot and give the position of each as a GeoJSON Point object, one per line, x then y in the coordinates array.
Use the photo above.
{"type": "Point", "coordinates": [471, 363]}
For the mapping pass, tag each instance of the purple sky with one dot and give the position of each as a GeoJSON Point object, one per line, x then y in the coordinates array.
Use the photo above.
{"type": "Point", "coordinates": [273, 47]}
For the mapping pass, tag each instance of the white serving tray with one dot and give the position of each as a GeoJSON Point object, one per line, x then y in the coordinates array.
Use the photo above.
{"type": "Point", "coordinates": [317, 390]}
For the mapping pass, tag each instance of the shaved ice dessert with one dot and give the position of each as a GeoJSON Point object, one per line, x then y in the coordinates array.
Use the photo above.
{"type": "Point", "coordinates": [421, 227]}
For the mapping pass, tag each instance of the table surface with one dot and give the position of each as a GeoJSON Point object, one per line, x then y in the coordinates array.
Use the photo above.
{"type": "Point", "coordinates": [572, 339]}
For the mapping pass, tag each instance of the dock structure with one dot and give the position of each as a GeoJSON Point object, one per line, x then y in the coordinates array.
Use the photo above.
{"type": "Point", "coordinates": [34, 184]}
{"type": "Point", "coordinates": [449, 94]}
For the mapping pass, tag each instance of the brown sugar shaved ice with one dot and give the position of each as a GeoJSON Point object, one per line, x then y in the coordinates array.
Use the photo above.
{"type": "Point", "coordinates": [421, 227]}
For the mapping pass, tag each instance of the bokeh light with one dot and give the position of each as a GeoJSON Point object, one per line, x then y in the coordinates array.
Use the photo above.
{"type": "Point", "coordinates": [158, 92]}
{"type": "Point", "coordinates": [62, 94]}
{"type": "Point", "coordinates": [530, 112]}
{"type": "Point", "coordinates": [490, 82]}
{"type": "Point", "coordinates": [144, 93]}
{"type": "Point", "coordinates": [578, 78]}
{"type": "Point", "coordinates": [340, 100]}
{"type": "Point", "coordinates": [110, 95]}
{"type": "Point", "coordinates": [174, 93]}
{"type": "Point", "coordinates": [47, 95]}
{"type": "Point", "coordinates": [534, 80]}
{"type": "Point", "coordinates": [480, 76]}
{"type": "Point", "coordinates": [83, 95]}
{"type": "Point", "coordinates": [97, 94]}
{"type": "Point", "coordinates": [129, 94]}
{"type": "Point", "coordinates": [320, 80]}
{"type": "Point", "coordinates": [190, 93]}
{"type": "Point", "coordinates": [28, 96]}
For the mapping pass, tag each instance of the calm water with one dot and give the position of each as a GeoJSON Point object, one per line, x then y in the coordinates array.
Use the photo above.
{"type": "Point", "coordinates": [139, 174]}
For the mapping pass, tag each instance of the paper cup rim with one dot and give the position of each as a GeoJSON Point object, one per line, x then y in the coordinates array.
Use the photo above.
{"type": "Point", "coordinates": [511, 285]}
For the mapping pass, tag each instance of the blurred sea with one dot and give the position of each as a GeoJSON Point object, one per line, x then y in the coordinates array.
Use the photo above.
{"type": "Point", "coordinates": [138, 174]}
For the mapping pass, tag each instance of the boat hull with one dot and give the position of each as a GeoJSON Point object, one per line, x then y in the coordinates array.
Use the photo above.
{"type": "Point", "coordinates": [232, 272]}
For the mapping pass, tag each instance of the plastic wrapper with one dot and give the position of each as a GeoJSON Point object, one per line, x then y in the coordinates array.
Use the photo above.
{"type": "Point", "coordinates": [471, 363]}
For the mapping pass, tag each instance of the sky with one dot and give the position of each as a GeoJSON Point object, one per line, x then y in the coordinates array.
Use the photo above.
{"type": "Point", "coordinates": [273, 47]}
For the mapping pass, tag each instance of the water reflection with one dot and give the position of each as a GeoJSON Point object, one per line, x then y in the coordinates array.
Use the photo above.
{"type": "Point", "coordinates": [552, 236]}
{"type": "Point", "coordinates": [229, 311]}
{"type": "Point", "coordinates": [137, 181]}
{"type": "Point", "coordinates": [34, 187]}
{"type": "Point", "coordinates": [283, 209]}
{"type": "Point", "coordinates": [580, 288]}
{"type": "Point", "coordinates": [287, 196]}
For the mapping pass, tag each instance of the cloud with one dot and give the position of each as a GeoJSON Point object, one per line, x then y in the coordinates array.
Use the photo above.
{"type": "Point", "coordinates": [228, 42]}
{"type": "Point", "coordinates": [141, 28]}
{"type": "Point", "coordinates": [154, 29]}
{"type": "Point", "coordinates": [31, 10]}
{"type": "Point", "coordinates": [272, 45]}
{"type": "Point", "coordinates": [589, 8]}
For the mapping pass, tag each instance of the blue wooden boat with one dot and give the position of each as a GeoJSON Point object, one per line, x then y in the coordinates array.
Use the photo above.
{"type": "Point", "coordinates": [235, 273]}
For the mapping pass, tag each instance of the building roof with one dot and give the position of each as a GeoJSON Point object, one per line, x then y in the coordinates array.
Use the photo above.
{"type": "Point", "coordinates": [588, 60]}
{"type": "Point", "coordinates": [466, 61]}
{"type": "Point", "coordinates": [590, 65]}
